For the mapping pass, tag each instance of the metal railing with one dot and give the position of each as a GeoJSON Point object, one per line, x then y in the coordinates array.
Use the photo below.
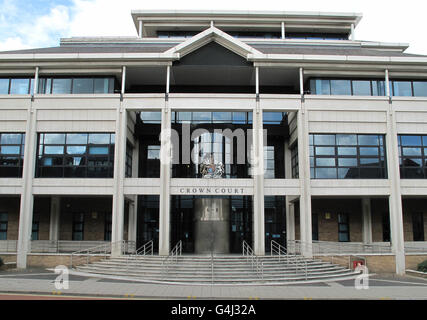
{"type": "Point", "coordinates": [103, 250]}
{"type": "Point", "coordinates": [256, 263]}
{"type": "Point", "coordinates": [172, 257]}
{"type": "Point", "coordinates": [146, 249]}
{"type": "Point", "coordinates": [278, 249]}
{"type": "Point", "coordinates": [339, 248]}
{"type": "Point", "coordinates": [296, 262]}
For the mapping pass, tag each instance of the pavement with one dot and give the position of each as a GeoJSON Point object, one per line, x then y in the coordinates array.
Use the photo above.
{"type": "Point", "coordinates": [40, 284]}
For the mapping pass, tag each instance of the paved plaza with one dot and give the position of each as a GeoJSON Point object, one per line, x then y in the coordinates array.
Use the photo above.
{"type": "Point", "coordinates": [42, 282]}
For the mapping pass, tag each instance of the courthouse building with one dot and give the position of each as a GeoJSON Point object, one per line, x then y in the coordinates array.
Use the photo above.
{"type": "Point", "coordinates": [279, 126]}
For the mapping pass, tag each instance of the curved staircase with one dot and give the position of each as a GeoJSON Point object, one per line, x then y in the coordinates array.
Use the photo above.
{"type": "Point", "coordinates": [217, 269]}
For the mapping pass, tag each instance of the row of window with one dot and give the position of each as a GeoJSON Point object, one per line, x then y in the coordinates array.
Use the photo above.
{"type": "Point", "coordinates": [332, 156]}
{"type": "Point", "coordinates": [344, 226]}
{"type": "Point", "coordinates": [57, 85]}
{"type": "Point", "coordinates": [77, 227]}
{"type": "Point", "coordinates": [155, 117]}
{"type": "Point", "coordinates": [400, 88]}
{"type": "Point", "coordinates": [259, 34]}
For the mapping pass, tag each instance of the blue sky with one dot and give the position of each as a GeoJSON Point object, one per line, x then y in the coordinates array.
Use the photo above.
{"type": "Point", "coordinates": [41, 23]}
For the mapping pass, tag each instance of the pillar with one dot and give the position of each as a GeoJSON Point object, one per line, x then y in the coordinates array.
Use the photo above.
{"type": "Point", "coordinates": [133, 219]}
{"type": "Point", "coordinates": [119, 175]}
{"type": "Point", "coordinates": [395, 198]}
{"type": "Point", "coordinates": [304, 176]}
{"type": "Point", "coordinates": [55, 212]}
{"type": "Point", "coordinates": [366, 221]}
{"type": "Point", "coordinates": [27, 198]}
{"type": "Point", "coordinates": [165, 175]}
{"type": "Point", "coordinates": [257, 164]}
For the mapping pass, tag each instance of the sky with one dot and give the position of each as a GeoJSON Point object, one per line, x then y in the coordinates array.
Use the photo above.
{"type": "Point", "coordinates": [41, 23]}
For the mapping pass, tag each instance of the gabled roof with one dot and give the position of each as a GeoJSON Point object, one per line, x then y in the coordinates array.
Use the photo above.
{"type": "Point", "coordinates": [209, 35]}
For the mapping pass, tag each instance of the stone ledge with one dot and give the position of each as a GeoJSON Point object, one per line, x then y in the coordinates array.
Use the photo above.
{"type": "Point", "coordinates": [416, 273]}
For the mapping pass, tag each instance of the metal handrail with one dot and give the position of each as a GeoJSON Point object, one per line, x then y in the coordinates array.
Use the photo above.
{"type": "Point", "coordinates": [175, 252]}
{"type": "Point", "coordinates": [277, 248]}
{"type": "Point", "coordinates": [101, 249]}
{"type": "Point", "coordinates": [329, 247]}
{"type": "Point", "coordinates": [256, 263]}
{"type": "Point", "coordinates": [298, 263]}
{"type": "Point", "coordinates": [146, 249]}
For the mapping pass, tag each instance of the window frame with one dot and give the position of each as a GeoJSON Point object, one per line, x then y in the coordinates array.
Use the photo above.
{"type": "Point", "coordinates": [78, 219]}
{"type": "Point", "coordinates": [360, 171]}
{"type": "Point", "coordinates": [3, 230]}
{"type": "Point", "coordinates": [346, 223]}
{"type": "Point", "coordinates": [66, 169]}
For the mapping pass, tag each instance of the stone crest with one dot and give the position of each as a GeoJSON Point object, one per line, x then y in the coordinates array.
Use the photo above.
{"type": "Point", "coordinates": [211, 170]}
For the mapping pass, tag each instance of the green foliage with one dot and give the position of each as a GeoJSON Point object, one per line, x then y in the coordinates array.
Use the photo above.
{"type": "Point", "coordinates": [422, 266]}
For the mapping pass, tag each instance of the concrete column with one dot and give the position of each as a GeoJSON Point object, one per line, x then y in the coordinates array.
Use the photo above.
{"type": "Point", "coordinates": [258, 179]}
{"type": "Point", "coordinates": [304, 176]}
{"type": "Point", "coordinates": [257, 165]}
{"type": "Point", "coordinates": [366, 221]}
{"type": "Point", "coordinates": [55, 212]}
{"type": "Point", "coordinates": [133, 219]}
{"type": "Point", "coordinates": [27, 198]}
{"type": "Point", "coordinates": [395, 199]}
{"type": "Point", "coordinates": [119, 175]}
{"type": "Point", "coordinates": [140, 26]}
{"type": "Point", "coordinates": [165, 162]}
{"type": "Point", "coordinates": [283, 30]}
{"type": "Point", "coordinates": [290, 220]}
{"type": "Point", "coordinates": [352, 35]}
{"type": "Point", "coordinates": [165, 175]}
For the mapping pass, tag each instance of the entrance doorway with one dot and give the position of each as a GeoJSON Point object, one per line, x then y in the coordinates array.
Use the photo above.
{"type": "Point", "coordinates": [202, 229]}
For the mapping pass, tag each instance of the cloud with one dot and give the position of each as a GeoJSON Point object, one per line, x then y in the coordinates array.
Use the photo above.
{"type": "Point", "coordinates": [13, 44]}
{"type": "Point", "coordinates": [35, 24]}
{"type": "Point", "coordinates": [28, 32]}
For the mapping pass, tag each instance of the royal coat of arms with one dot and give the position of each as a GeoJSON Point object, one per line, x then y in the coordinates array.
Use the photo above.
{"type": "Point", "coordinates": [209, 169]}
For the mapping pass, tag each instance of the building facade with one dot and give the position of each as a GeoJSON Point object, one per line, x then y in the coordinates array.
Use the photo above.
{"type": "Point", "coordinates": [214, 128]}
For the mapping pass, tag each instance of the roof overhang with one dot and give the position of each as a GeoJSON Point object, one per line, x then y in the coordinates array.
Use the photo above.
{"type": "Point", "coordinates": [157, 20]}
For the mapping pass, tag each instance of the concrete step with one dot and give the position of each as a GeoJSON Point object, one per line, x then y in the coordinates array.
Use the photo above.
{"type": "Point", "coordinates": [226, 269]}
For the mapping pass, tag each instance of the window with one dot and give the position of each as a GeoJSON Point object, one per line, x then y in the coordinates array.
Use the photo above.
{"type": "Point", "coordinates": [35, 227]}
{"type": "Point", "coordinates": [347, 87]}
{"type": "Point", "coordinates": [316, 36]}
{"type": "Point", "coordinates": [347, 156]}
{"type": "Point", "coordinates": [315, 226]}
{"type": "Point", "coordinates": [11, 154]}
{"type": "Point", "coordinates": [418, 226]}
{"type": "Point", "coordinates": [3, 226]}
{"type": "Point", "coordinates": [269, 162]}
{"type": "Point", "coordinates": [294, 162]}
{"type": "Point", "coordinates": [76, 85]}
{"type": "Point", "coordinates": [386, 226]}
{"type": "Point", "coordinates": [78, 226]}
{"type": "Point", "coordinates": [73, 155]}
{"type": "Point", "coordinates": [108, 226]}
{"type": "Point", "coordinates": [343, 227]}
{"type": "Point", "coordinates": [128, 164]}
{"type": "Point", "coordinates": [413, 156]}
{"type": "Point", "coordinates": [16, 85]}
